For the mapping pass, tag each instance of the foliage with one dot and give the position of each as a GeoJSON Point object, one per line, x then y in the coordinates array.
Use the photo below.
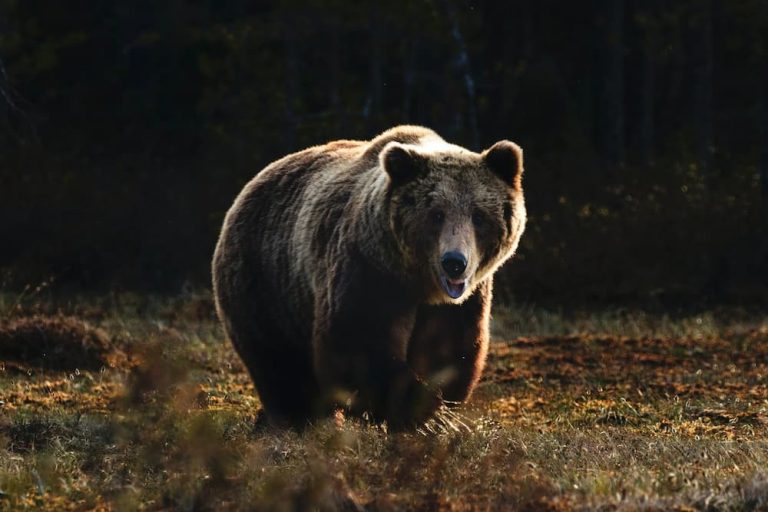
{"type": "Point", "coordinates": [126, 130]}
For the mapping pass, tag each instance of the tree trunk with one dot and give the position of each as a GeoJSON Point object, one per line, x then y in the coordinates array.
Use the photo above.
{"type": "Point", "coordinates": [6, 97]}
{"type": "Point", "coordinates": [376, 88]}
{"type": "Point", "coordinates": [409, 76]}
{"type": "Point", "coordinates": [4, 89]}
{"type": "Point", "coordinates": [647, 153]}
{"type": "Point", "coordinates": [290, 48]}
{"type": "Point", "coordinates": [13, 119]}
{"type": "Point", "coordinates": [612, 118]}
{"type": "Point", "coordinates": [463, 65]}
{"type": "Point", "coordinates": [763, 164]}
{"type": "Point", "coordinates": [647, 119]}
{"type": "Point", "coordinates": [335, 70]}
{"type": "Point", "coordinates": [6, 103]}
{"type": "Point", "coordinates": [702, 83]}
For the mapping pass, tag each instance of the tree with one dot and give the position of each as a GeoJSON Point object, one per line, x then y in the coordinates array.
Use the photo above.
{"type": "Point", "coordinates": [464, 67]}
{"type": "Point", "coordinates": [611, 118]}
{"type": "Point", "coordinates": [291, 79]}
{"type": "Point", "coordinates": [376, 87]}
{"type": "Point", "coordinates": [702, 84]}
{"type": "Point", "coordinates": [4, 88]}
{"type": "Point", "coordinates": [647, 20]}
{"type": "Point", "coordinates": [762, 116]}
{"type": "Point", "coordinates": [763, 162]}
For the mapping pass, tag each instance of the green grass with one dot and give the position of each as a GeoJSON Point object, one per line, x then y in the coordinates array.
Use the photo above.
{"type": "Point", "coordinates": [609, 410]}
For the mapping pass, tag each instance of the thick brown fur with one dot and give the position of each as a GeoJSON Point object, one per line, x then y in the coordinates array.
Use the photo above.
{"type": "Point", "coordinates": [327, 274]}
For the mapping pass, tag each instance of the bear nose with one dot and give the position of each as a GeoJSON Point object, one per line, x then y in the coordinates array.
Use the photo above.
{"type": "Point", "coordinates": [454, 263]}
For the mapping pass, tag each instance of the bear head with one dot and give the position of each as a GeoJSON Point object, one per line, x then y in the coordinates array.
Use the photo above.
{"type": "Point", "coordinates": [456, 215]}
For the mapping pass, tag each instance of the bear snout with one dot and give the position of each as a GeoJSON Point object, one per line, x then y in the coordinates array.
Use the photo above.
{"type": "Point", "coordinates": [454, 263]}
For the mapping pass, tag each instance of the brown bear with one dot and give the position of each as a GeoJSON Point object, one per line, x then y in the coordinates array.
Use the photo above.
{"type": "Point", "coordinates": [358, 274]}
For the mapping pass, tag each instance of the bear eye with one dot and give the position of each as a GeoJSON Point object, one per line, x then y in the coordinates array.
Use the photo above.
{"type": "Point", "coordinates": [437, 217]}
{"type": "Point", "coordinates": [478, 219]}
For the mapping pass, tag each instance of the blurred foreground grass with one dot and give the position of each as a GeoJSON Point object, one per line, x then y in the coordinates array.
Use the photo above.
{"type": "Point", "coordinates": [611, 410]}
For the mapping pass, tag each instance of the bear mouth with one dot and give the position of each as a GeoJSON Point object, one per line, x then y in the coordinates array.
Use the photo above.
{"type": "Point", "coordinates": [453, 287]}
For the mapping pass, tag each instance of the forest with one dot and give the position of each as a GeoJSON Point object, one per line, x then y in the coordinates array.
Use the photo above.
{"type": "Point", "coordinates": [127, 128]}
{"type": "Point", "coordinates": [627, 367]}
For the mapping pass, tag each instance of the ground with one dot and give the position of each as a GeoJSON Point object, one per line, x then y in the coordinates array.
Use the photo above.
{"type": "Point", "coordinates": [577, 410]}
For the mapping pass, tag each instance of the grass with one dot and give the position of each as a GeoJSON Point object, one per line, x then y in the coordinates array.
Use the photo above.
{"type": "Point", "coordinates": [611, 410]}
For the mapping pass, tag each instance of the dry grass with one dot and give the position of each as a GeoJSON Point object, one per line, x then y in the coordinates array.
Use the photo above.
{"type": "Point", "coordinates": [608, 411]}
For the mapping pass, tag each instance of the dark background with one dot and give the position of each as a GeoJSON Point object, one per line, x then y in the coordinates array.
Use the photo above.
{"type": "Point", "coordinates": [127, 128]}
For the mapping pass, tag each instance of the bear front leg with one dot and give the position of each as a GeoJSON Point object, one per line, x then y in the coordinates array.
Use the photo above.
{"type": "Point", "coordinates": [449, 343]}
{"type": "Point", "coordinates": [360, 336]}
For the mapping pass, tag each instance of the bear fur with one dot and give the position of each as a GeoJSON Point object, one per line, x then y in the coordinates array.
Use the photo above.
{"type": "Point", "coordinates": [330, 273]}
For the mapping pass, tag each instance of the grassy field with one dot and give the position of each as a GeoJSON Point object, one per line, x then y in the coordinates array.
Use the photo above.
{"type": "Point", "coordinates": [126, 402]}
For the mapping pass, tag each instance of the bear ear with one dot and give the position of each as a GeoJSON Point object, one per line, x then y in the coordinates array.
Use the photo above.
{"type": "Point", "coordinates": [505, 159]}
{"type": "Point", "coordinates": [401, 163]}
